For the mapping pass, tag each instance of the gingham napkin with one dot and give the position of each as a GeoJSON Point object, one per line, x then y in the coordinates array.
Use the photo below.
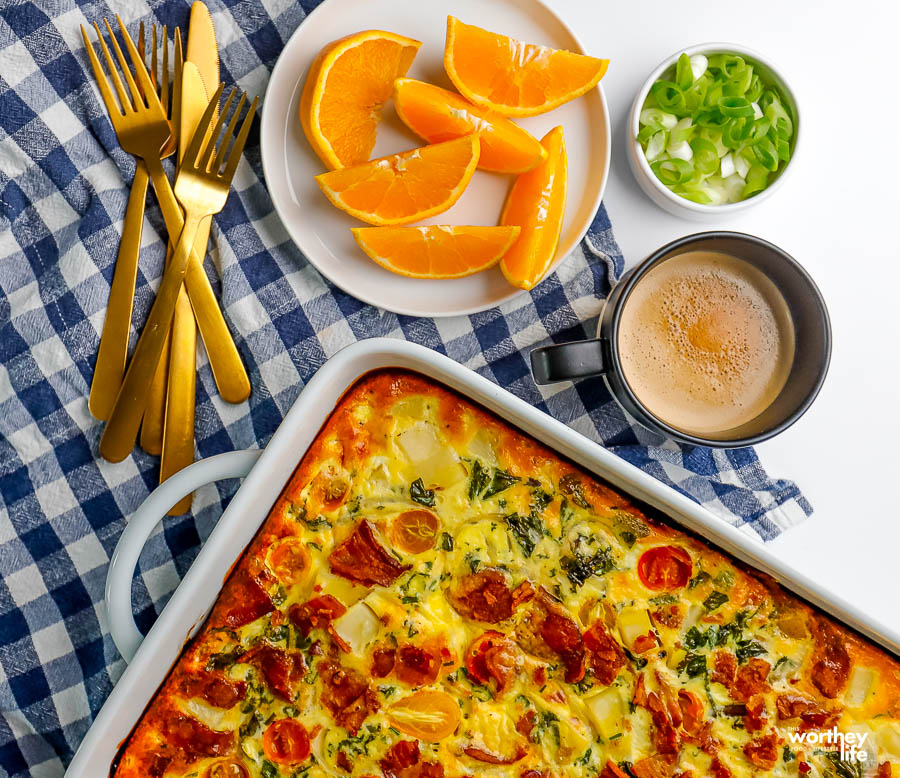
{"type": "Point", "coordinates": [63, 188]}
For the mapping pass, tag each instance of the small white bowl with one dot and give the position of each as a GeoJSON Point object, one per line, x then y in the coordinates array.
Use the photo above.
{"type": "Point", "coordinates": [661, 194]}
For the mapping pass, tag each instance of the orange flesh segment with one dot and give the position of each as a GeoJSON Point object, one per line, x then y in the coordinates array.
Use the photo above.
{"type": "Point", "coordinates": [438, 114]}
{"type": "Point", "coordinates": [405, 187]}
{"type": "Point", "coordinates": [537, 203]}
{"type": "Point", "coordinates": [435, 251]}
{"type": "Point", "coordinates": [345, 89]}
{"type": "Point", "coordinates": [512, 77]}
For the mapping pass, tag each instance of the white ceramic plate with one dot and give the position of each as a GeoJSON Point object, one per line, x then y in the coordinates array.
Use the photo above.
{"type": "Point", "coordinates": [323, 233]}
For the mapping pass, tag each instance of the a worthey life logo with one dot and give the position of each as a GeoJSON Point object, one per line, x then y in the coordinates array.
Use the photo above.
{"type": "Point", "coordinates": [850, 745]}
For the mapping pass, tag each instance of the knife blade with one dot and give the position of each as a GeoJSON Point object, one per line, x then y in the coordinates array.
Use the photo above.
{"type": "Point", "coordinates": [202, 48]}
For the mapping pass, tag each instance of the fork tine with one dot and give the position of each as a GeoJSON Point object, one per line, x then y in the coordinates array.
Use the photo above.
{"type": "Point", "coordinates": [141, 44]}
{"type": "Point", "coordinates": [154, 61]}
{"type": "Point", "coordinates": [228, 135]}
{"type": "Point", "coordinates": [140, 69]}
{"type": "Point", "coordinates": [164, 76]}
{"type": "Point", "coordinates": [238, 148]}
{"type": "Point", "coordinates": [112, 106]}
{"type": "Point", "coordinates": [135, 92]}
{"type": "Point", "coordinates": [210, 149]}
{"type": "Point", "coordinates": [176, 81]}
{"type": "Point", "coordinates": [114, 73]}
{"type": "Point", "coordinates": [192, 154]}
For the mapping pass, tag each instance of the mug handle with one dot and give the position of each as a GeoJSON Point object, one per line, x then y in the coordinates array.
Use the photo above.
{"type": "Point", "coordinates": [122, 628]}
{"type": "Point", "coordinates": [567, 361]}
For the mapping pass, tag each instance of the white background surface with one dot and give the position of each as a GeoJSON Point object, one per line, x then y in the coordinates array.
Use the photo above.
{"type": "Point", "coordinates": [838, 214]}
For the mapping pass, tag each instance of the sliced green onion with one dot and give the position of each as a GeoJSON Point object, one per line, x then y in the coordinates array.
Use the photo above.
{"type": "Point", "coordinates": [656, 145]}
{"type": "Point", "coordinates": [669, 97]}
{"type": "Point", "coordinates": [684, 76]}
{"type": "Point", "coordinates": [706, 158]}
{"type": "Point", "coordinates": [757, 180]}
{"type": "Point", "coordinates": [673, 171]}
{"type": "Point", "coordinates": [658, 116]}
{"type": "Point", "coordinates": [735, 107]}
{"type": "Point", "coordinates": [714, 130]}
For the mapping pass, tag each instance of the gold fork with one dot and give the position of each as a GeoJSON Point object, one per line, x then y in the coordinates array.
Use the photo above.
{"type": "Point", "coordinates": [170, 97]}
{"type": "Point", "coordinates": [113, 352]}
{"type": "Point", "coordinates": [202, 189]}
{"type": "Point", "coordinates": [142, 129]}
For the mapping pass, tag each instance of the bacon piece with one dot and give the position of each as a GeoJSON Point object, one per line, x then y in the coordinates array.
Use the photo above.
{"type": "Point", "coordinates": [525, 725]}
{"type": "Point", "coordinates": [248, 601]}
{"type": "Point", "coordinates": [669, 615]}
{"type": "Point", "coordinates": [317, 613]}
{"type": "Point", "coordinates": [832, 662]}
{"type": "Point", "coordinates": [196, 740]}
{"type": "Point", "coordinates": [755, 718]}
{"type": "Point", "coordinates": [383, 661]}
{"type": "Point", "coordinates": [282, 670]}
{"type": "Point", "coordinates": [763, 751]}
{"type": "Point", "coordinates": [692, 712]}
{"type": "Point", "coordinates": [612, 770]}
{"type": "Point", "coordinates": [724, 668]}
{"type": "Point", "coordinates": [665, 735]}
{"type": "Point", "coordinates": [403, 754]}
{"type": "Point", "coordinates": [750, 679]}
{"type": "Point", "coordinates": [488, 757]}
{"type": "Point", "coordinates": [348, 696]}
{"type": "Point", "coordinates": [343, 761]}
{"type": "Point", "coordinates": [493, 655]}
{"type": "Point", "coordinates": [605, 655]}
{"type": "Point", "coordinates": [484, 596]}
{"type": "Point", "coordinates": [810, 713]}
{"type": "Point", "coordinates": [673, 707]}
{"type": "Point", "coordinates": [416, 666]}
{"type": "Point", "coordinates": [652, 767]}
{"type": "Point", "coordinates": [549, 631]}
{"type": "Point", "coordinates": [719, 770]}
{"type": "Point", "coordinates": [362, 559]}
{"type": "Point", "coordinates": [884, 770]}
{"type": "Point", "coordinates": [217, 691]}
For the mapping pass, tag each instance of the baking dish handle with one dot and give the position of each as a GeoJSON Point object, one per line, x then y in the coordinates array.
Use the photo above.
{"type": "Point", "coordinates": [124, 631]}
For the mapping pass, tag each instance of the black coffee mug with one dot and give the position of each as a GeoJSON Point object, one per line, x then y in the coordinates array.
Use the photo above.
{"type": "Point", "coordinates": [812, 341]}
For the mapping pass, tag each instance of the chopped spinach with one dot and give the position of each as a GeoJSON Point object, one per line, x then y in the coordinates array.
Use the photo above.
{"type": "Point", "coordinates": [268, 770]}
{"type": "Point", "coordinates": [478, 479]}
{"type": "Point", "coordinates": [628, 538]}
{"type": "Point", "coordinates": [715, 600]}
{"type": "Point", "coordinates": [500, 481]}
{"type": "Point", "coordinates": [747, 648]}
{"type": "Point", "coordinates": [579, 568]}
{"type": "Point", "coordinates": [224, 660]}
{"type": "Point", "coordinates": [540, 500]}
{"type": "Point", "coordinates": [547, 723]}
{"type": "Point", "coordinates": [418, 493]}
{"type": "Point", "coordinates": [317, 523]}
{"type": "Point", "coordinates": [692, 665]}
{"type": "Point", "coordinates": [698, 579]}
{"type": "Point", "coordinates": [572, 486]}
{"type": "Point", "coordinates": [664, 599]}
{"type": "Point", "coordinates": [787, 755]}
{"type": "Point", "coordinates": [844, 768]}
{"type": "Point", "coordinates": [446, 541]}
{"type": "Point", "coordinates": [527, 530]}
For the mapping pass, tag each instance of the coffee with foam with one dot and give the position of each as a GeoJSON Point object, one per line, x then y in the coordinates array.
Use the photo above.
{"type": "Point", "coordinates": [706, 342]}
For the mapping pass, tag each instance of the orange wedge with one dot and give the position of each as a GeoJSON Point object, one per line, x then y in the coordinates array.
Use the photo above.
{"type": "Point", "coordinates": [515, 78]}
{"type": "Point", "coordinates": [435, 252]}
{"type": "Point", "coordinates": [347, 84]}
{"type": "Point", "coordinates": [404, 187]}
{"type": "Point", "coordinates": [437, 114]}
{"type": "Point", "coordinates": [537, 204]}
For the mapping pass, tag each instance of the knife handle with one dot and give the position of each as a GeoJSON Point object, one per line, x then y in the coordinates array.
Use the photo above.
{"type": "Point", "coordinates": [113, 352]}
{"type": "Point", "coordinates": [224, 359]}
{"type": "Point", "coordinates": [178, 433]}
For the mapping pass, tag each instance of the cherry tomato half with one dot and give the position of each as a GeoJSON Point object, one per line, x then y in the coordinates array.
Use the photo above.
{"type": "Point", "coordinates": [415, 531]}
{"type": "Point", "coordinates": [226, 769]}
{"type": "Point", "coordinates": [289, 560]}
{"type": "Point", "coordinates": [286, 742]}
{"type": "Point", "coordinates": [665, 568]}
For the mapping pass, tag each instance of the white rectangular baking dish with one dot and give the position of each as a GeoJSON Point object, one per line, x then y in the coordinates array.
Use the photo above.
{"type": "Point", "coordinates": [269, 472]}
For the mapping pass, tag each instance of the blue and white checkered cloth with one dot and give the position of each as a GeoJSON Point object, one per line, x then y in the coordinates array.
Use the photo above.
{"type": "Point", "coordinates": [63, 188]}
